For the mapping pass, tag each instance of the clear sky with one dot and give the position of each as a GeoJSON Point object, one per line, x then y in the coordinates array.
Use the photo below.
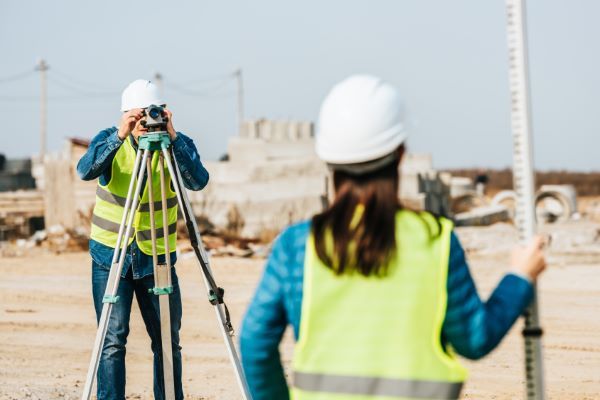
{"type": "Point", "coordinates": [449, 59]}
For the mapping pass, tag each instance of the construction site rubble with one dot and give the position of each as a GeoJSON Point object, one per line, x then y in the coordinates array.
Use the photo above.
{"type": "Point", "coordinates": [228, 246]}
{"type": "Point", "coordinates": [270, 178]}
{"type": "Point", "coordinates": [481, 216]}
{"type": "Point", "coordinates": [55, 239]}
{"type": "Point", "coordinates": [247, 203]}
{"type": "Point", "coordinates": [566, 237]}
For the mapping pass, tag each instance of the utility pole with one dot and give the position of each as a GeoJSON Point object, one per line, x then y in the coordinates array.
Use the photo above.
{"type": "Point", "coordinates": [42, 67]}
{"type": "Point", "coordinates": [240, 98]}
{"type": "Point", "coordinates": [158, 79]}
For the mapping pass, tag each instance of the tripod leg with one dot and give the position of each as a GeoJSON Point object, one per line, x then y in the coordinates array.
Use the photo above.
{"type": "Point", "coordinates": [215, 293]}
{"type": "Point", "coordinates": [152, 216]}
{"type": "Point", "coordinates": [110, 295]}
{"type": "Point", "coordinates": [162, 285]}
{"type": "Point", "coordinates": [163, 277]}
{"type": "Point", "coordinates": [134, 174]}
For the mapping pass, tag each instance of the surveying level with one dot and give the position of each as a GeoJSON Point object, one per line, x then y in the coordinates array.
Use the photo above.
{"type": "Point", "coordinates": [157, 140]}
{"type": "Point", "coordinates": [155, 121]}
{"type": "Point", "coordinates": [523, 181]}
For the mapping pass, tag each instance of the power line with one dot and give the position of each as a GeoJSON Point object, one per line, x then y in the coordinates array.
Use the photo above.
{"type": "Point", "coordinates": [205, 79]}
{"type": "Point", "coordinates": [66, 98]}
{"type": "Point", "coordinates": [206, 92]}
{"type": "Point", "coordinates": [16, 77]}
{"type": "Point", "coordinates": [88, 91]}
{"type": "Point", "coordinates": [76, 81]}
{"type": "Point", "coordinates": [79, 97]}
{"type": "Point", "coordinates": [222, 95]}
{"type": "Point", "coordinates": [66, 82]}
{"type": "Point", "coordinates": [68, 86]}
{"type": "Point", "coordinates": [19, 98]}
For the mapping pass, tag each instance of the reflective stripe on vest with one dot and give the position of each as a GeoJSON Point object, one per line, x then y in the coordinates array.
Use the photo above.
{"type": "Point", "coordinates": [111, 199]}
{"type": "Point", "coordinates": [377, 386]}
{"type": "Point", "coordinates": [143, 235]}
{"type": "Point", "coordinates": [371, 337]}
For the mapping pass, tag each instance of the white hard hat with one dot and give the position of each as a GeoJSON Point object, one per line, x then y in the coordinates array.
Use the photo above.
{"type": "Point", "coordinates": [140, 93]}
{"type": "Point", "coordinates": [361, 120]}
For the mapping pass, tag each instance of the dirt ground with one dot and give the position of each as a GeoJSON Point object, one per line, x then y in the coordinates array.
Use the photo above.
{"type": "Point", "coordinates": [47, 322]}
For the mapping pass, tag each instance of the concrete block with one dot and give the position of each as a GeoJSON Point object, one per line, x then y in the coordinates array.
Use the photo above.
{"type": "Point", "coordinates": [481, 216]}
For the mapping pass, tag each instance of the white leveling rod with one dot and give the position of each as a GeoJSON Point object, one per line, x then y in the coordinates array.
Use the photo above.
{"type": "Point", "coordinates": [523, 181]}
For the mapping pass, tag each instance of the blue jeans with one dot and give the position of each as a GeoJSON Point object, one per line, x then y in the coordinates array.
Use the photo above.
{"type": "Point", "coordinates": [111, 371]}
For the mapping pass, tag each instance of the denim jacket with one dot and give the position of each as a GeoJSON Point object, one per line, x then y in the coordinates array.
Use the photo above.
{"type": "Point", "coordinates": [96, 163]}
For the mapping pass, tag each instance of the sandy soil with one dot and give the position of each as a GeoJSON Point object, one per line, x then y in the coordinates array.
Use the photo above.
{"type": "Point", "coordinates": [47, 323]}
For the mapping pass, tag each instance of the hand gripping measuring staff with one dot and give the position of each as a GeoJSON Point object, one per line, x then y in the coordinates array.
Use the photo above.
{"type": "Point", "coordinates": [158, 140]}
{"type": "Point", "coordinates": [523, 181]}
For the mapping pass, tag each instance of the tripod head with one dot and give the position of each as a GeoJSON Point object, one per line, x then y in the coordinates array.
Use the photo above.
{"type": "Point", "coordinates": [155, 120]}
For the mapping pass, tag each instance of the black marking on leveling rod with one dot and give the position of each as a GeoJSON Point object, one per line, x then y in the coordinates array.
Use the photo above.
{"type": "Point", "coordinates": [532, 331]}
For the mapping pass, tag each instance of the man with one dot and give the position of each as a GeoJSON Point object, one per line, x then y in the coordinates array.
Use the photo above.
{"type": "Point", "coordinates": [110, 158]}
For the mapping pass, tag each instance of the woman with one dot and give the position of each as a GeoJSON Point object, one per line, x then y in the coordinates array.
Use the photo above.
{"type": "Point", "coordinates": [379, 297]}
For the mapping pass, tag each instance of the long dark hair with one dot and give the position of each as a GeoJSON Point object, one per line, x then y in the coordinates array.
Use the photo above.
{"type": "Point", "coordinates": [348, 240]}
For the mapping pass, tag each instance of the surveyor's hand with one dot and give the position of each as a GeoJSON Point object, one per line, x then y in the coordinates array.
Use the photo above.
{"type": "Point", "coordinates": [170, 129]}
{"type": "Point", "coordinates": [128, 121]}
{"type": "Point", "coordinates": [529, 260]}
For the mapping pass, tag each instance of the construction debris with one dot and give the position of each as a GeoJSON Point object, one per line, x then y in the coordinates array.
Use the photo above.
{"type": "Point", "coordinates": [556, 202]}
{"type": "Point", "coordinates": [235, 246]}
{"type": "Point", "coordinates": [283, 183]}
{"type": "Point", "coordinates": [435, 190]}
{"type": "Point", "coordinates": [15, 174]}
{"type": "Point", "coordinates": [55, 239]}
{"type": "Point", "coordinates": [271, 177]}
{"type": "Point", "coordinates": [552, 202]}
{"type": "Point", "coordinates": [482, 216]}
{"type": "Point", "coordinates": [21, 213]}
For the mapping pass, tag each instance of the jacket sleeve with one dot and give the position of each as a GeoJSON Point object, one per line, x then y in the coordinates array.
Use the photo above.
{"type": "Point", "coordinates": [471, 326]}
{"type": "Point", "coordinates": [262, 330]}
{"type": "Point", "coordinates": [99, 156]}
{"type": "Point", "coordinates": [193, 173]}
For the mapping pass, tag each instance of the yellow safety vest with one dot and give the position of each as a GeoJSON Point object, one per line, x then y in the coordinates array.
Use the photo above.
{"type": "Point", "coordinates": [110, 204]}
{"type": "Point", "coordinates": [379, 337]}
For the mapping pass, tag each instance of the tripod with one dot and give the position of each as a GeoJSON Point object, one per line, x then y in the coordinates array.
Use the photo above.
{"type": "Point", "coordinates": [158, 141]}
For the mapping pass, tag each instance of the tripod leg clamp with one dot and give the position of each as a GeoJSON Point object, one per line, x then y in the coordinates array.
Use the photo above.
{"type": "Point", "coordinates": [110, 299]}
{"type": "Point", "coordinates": [216, 298]}
{"type": "Point", "coordinates": [161, 290]}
